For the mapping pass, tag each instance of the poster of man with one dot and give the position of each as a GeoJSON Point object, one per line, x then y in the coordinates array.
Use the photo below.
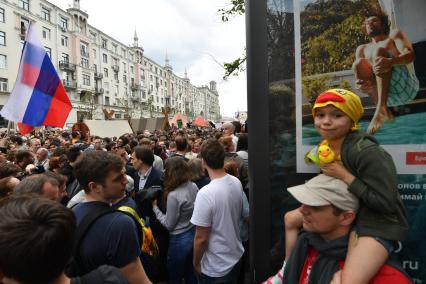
{"type": "Point", "coordinates": [383, 68]}
{"type": "Point", "coordinates": [376, 49]}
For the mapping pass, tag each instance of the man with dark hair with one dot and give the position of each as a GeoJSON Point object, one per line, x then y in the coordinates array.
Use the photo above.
{"type": "Point", "coordinates": [73, 186]}
{"type": "Point", "coordinates": [158, 162]}
{"type": "Point", "coordinates": [145, 175]}
{"type": "Point", "coordinates": [7, 185]}
{"type": "Point", "coordinates": [9, 169]}
{"type": "Point", "coordinates": [41, 184]}
{"type": "Point", "coordinates": [383, 68]}
{"type": "Point", "coordinates": [113, 238]}
{"type": "Point", "coordinates": [181, 147]}
{"type": "Point", "coordinates": [217, 212]}
{"type": "Point", "coordinates": [37, 250]}
{"type": "Point", "coordinates": [23, 158]}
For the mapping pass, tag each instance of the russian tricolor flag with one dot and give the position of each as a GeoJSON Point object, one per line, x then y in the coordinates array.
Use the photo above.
{"type": "Point", "coordinates": [38, 97]}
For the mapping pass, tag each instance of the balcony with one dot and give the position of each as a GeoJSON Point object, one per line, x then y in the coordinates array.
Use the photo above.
{"type": "Point", "coordinates": [136, 98]}
{"type": "Point", "coordinates": [115, 68]}
{"type": "Point", "coordinates": [64, 65]}
{"type": "Point", "coordinates": [98, 76]}
{"type": "Point", "coordinates": [69, 85]}
{"type": "Point", "coordinates": [135, 87]}
{"type": "Point", "coordinates": [99, 91]}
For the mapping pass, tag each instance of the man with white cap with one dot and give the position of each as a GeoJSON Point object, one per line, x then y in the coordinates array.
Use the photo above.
{"type": "Point", "coordinates": [329, 212]}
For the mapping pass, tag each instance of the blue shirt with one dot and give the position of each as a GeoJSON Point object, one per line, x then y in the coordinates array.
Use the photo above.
{"type": "Point", "coordinates": [113, 238]}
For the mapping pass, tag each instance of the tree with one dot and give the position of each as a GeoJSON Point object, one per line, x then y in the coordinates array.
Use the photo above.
{"type": "Point", "coordinates": [90, 106]}
{"type": "Point", "coordinates": [233, 67]}
{"type": "Point", "coordinates": [313, 86]}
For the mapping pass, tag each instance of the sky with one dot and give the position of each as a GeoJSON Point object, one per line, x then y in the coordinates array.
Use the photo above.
{"type": "Point", "coordinates": [190, 31]}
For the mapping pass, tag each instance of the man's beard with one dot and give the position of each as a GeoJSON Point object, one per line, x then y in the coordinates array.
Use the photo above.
{"type": "Point", "coordinates": [376, 32]}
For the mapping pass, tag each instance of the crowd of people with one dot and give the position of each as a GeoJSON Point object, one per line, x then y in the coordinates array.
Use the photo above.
{"type": "Point", "coordinates": [138, 208]}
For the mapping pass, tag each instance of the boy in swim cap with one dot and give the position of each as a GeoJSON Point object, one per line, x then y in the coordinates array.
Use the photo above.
{"type": "Point", "coordinates": [370, 174]}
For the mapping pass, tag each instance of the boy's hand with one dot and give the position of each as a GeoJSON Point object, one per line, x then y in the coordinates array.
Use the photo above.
{"type": "Point", "coordinates": [337, 170]}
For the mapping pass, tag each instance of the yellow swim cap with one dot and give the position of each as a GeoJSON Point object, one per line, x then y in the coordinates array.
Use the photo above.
{"type": "Point", "coordinates": [344, 100]}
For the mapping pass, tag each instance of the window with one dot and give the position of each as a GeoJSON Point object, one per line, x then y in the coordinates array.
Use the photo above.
{"type": "Point", "coordinates": [3, 85]}
{"type": "Point", "coordinates": [123, 51]}
{"type": "Point", "coordinates": [93, 36]}
{"type": "Point", "coordinates": [150, 78]}
{"type": "Point", "coordinates": [64, 40]}
{"type": "Point", "coordinates": [45, 14]}
{"type": "Point", "coordinates": [84, 62]}
{"type": "Point", "coordinates": [49, 51]}
{"type": "Point", "coordinates": [114, 47]}
{"type": "Point", "coordinates": [116, 76]}
{"type": "Point", "coordinates": [124, 78]}
{"type": "Point", "coordinates": [106, 72]}
{"type": "Point", "coordinates": [3, 61]}
{"type": "Point", "coordinates": [65, 57]}
{"type": "Point", "coordinates": [46, 33]}
{"type": "Point", "coordinates": [94, 53]}
{"type": "Point", "coordinates": [124, 67]}
{"type": "Point", "coordinates": [1, 15]}
{"type": "Point", "coordinates": [3, 38]}
{"type": "Point", "coordinates": [64, 23]}
{"type": "Point", "coordinates": [104, 58]}
{"type": "Point", "coordinates": [86, 80]}
{"type": "Point", "coordinates": [104, 43]}
{"type": "Point", "coordinates": [116, 89]}
{"type": "Point", "coordinates": [24, 4]}
{"type": "Point", "coordinates": [95, 67]}
{"type": "Point", "coordinates": [25, 23]}
{"type": "Point", "coordinates": [106, 87]}
{"type": "Point", "coordinates": [84, 50]}
{"type": "Point", "coordinates": [131, 69]}
{"type": "Point", "coordinates": [107, 101]}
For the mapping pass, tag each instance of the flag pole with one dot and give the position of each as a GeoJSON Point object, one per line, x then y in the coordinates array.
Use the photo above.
{"type": "Point", "coordinates": [9, 125]}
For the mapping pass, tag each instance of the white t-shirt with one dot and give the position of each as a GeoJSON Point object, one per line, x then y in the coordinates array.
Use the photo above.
{"type": "Point", "coordinates": [219, 206]}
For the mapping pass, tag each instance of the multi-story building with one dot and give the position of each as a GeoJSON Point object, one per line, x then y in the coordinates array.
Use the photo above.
{"type": "Point", "coordinates": [99, 73]}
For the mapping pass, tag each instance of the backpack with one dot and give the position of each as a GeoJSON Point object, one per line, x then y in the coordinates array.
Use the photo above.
{"type": "Point", "coordinates": [149, 245]}
{"type": "Point", "coordinates": [146, 239]}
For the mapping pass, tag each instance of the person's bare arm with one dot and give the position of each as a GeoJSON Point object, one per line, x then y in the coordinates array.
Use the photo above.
{"type": "Point", "coordinates": [201, 243]}
{"type": "Point", "coordinates": [135, 273]}
{"type": "Point", "coordinates": [404, 47]}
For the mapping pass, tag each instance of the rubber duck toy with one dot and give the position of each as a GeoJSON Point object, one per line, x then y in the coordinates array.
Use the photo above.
{"type": "Point", "coordinates": [325, 153]}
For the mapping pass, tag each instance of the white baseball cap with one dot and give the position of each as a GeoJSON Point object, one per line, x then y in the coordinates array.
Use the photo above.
{"type": "Point", "coordinates": [325, 190]}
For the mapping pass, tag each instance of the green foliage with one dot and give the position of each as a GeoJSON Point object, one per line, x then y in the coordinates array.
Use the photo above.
{"type": "Point", "coordinates": [234, 67]}
{"type": "Point", "coordinates": [344, 84]}
{"type": "Point", "coordinates": [331, 32]}
{"type": "Point", "coordinates": [312, 87]}
{"type": "Point", "coordinates": [236, 8]}
{"type": "Point", "coordinates": [90, 105]}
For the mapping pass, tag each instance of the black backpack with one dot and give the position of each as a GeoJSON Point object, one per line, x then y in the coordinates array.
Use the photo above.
{"type": "Point", "coordinates": [75, 267]}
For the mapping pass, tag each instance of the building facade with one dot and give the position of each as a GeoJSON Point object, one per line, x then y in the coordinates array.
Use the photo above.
{"type": "Point", "coordinates": [101, 75]}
